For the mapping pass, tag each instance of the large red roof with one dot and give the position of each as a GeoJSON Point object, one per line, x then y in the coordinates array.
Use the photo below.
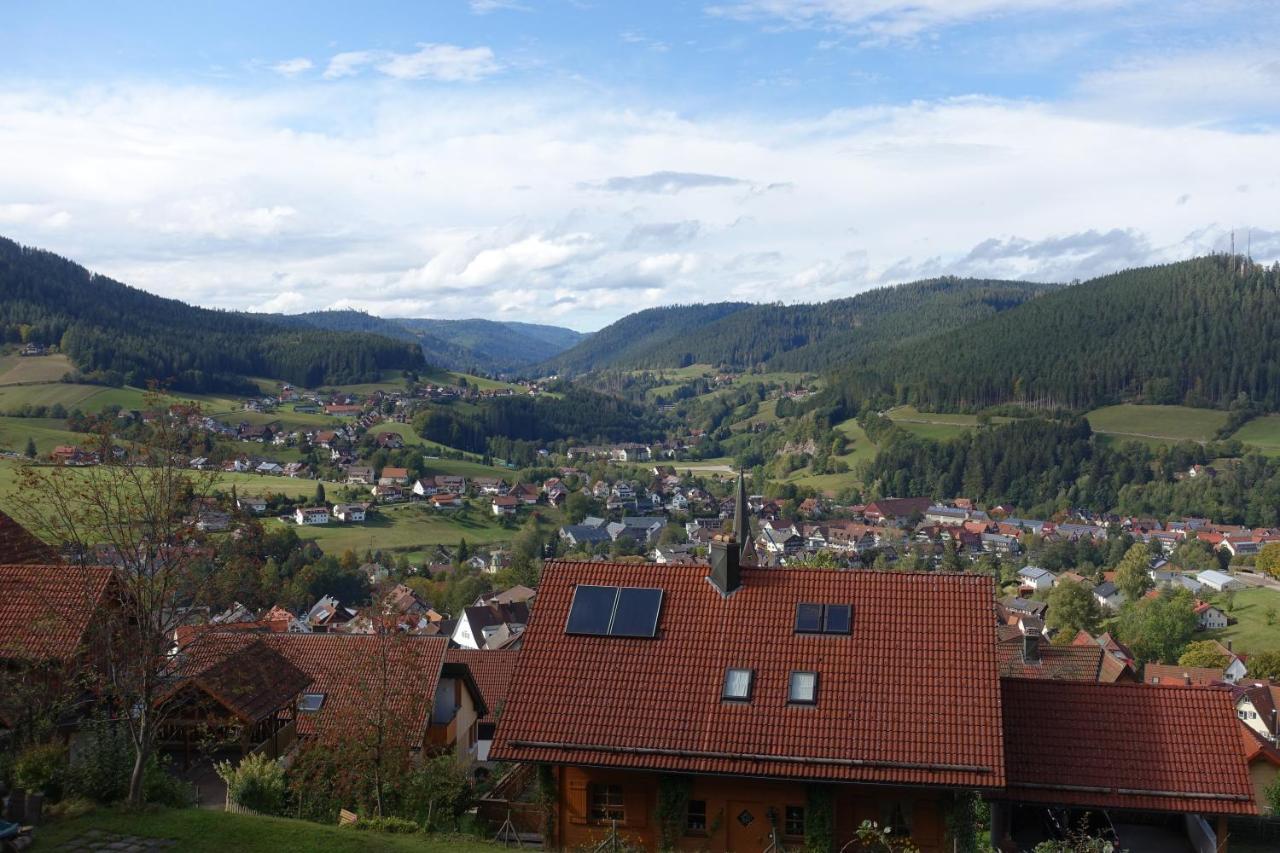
{"type": "Point", "coordinates": [910, 696]}
{"type": "Point", "coordinates": [492, 671]}
{"type": "Point", "coordinates": [46, 611]}
{"type": "Point", "coordinates": [1127, 746]}
{"type": "Point", "coordinates": [361, 675]}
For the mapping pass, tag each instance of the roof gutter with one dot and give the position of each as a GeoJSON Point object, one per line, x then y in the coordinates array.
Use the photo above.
{"type": "Point", "coordinates": [746, 756]}
{"type": "Point", "coordinates": [1137, 792]}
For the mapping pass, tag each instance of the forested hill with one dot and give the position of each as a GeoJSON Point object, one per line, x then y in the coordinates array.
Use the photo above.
{"type": "Point", "coordinates": [477, 346]}
{"type": "Point", "coordinates": [118, 334]}
{"type": "Point", "coordinates": [1200, 332]}
{"type": "Point", "coordinates": [810, 337]}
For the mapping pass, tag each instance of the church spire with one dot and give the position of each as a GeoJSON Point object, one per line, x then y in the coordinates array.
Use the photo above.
{"type": "Point", "coordinates": [742, 525]}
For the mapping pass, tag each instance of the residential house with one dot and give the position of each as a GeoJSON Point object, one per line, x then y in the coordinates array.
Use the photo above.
{"type": "Point", "coordinates": [895, 511]}
{"type": "Point", "coordinates": [1209, 617]}
{"type": "Point", "coordinates": [642, 529]}
{"type": "Point", "coordinates": [349, 513]}
{"type": "Point", "coordinates": [18, 546]}
{"type": "Point", "coordinates": [392, 476]}
{"type": "Point", "coordinates": [253, 505]}
{"type": "Point", "coordinates": [583, 534]}
{"type": "Point", "coordinates": [1263, 759]}
{"type": "Point", "coordinates": [268, 468]}
{"type": "Point", "coordinates": [1029, 654]}
{"type": "Point", "coordinates": [305, 515]}
{"type": "Point", "coordinates": [664, 672]}
{"type": "Point", "coordinates": [490, 485]}
{"type": "Point", "coordinates": [491, 625]}
{"type": "Point", "coordinates": [389, 440]}
{"type": "Point", "coordinates": [526, 493]}
{"type": "Point", "coordinates": [1035, 579]}
{"type": "Point", "coordinates": [492, 671]}
{"type": "Point", "coordinates": [446, 500]}
{"type": "Point", "coordinates": [359, 475]}
{"type": "Point", "coordinates": [1258, 706]}
{"type": "Point", "coordinates": [505, 505]}
{"type": "Point", "coordinates": [1108, 595]}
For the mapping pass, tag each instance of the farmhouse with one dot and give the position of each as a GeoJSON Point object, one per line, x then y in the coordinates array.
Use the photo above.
{"type": "Point", "coordinates": [311, 515]}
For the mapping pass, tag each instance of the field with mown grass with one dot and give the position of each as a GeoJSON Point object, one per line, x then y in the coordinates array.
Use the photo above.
{"type": "Point", "coordinates": [48, 433]}
{"type": "Point", "coordinates": [209, 831]}
{"type": "Point", "coordinates": [413, 527]}
{"type": "Point", "coordinates": [16, 368]}
{"type": "Point", "coordinates": [1262, 433]}
{"type": "Point", "coordinates": [1160, 423]}
{"type": "Point", "coordinates": [1251, 634]}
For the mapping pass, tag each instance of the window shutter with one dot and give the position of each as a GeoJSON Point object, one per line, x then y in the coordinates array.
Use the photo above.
{"type": "Point", "coordinates": [577, 800]}
{"type": "Point", "coordinates": [635, 802]}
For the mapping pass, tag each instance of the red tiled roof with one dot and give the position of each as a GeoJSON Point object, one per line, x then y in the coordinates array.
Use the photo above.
{"type": "Point", "coordinates": [18, 546]}
{"type": "Point", "coordinates": [1199, 676]}
{"type": "Point", "coordinates": [252, 683]}
{"type": "Point", "coordinates": [1127, 746]}
{"type": "Point", "coordinates": [920, 641]}
{"type": "Point", "coordinates": [349, 670]}
{"type": "Point", "coordinates": [1077, 663]}
{"type": "Point", "coordinates": [45, 611]}
{"type": "Point", "coordinates": [492, 671]}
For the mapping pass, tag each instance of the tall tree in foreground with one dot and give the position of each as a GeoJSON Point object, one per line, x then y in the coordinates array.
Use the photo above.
{"type": "Point", "coordinates": [135, 512]}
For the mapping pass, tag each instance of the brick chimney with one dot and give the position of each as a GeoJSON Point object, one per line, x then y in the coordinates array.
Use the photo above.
{"type": "Point", "coordinates": [726, 573]}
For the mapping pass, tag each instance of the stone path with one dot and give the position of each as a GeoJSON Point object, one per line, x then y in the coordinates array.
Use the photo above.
{"type": "Point", "coordinates": [100, 841]}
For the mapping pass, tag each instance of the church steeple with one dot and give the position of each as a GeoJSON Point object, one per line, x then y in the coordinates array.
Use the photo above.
{"type": "Point", "coordinates": [742, 525]}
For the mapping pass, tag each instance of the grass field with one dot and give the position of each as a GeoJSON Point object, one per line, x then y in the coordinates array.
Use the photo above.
{"type": "Point", "coordinates": [409, 528]}
{"type": "Point", "coordinates": [1262, 433]}
{"type": "Point", "coordinates": [934, 425]}
{"type": "Point", "coordinates": [1159, 423]}
{"type": "Point", "coordinates": [210, 831]}
{"type": "Point", "coordinates": [42, 368]}
{"type": "Point", "coordinates": [1251, 634]}
{"type": "Point", "coordinates": [47, 432]}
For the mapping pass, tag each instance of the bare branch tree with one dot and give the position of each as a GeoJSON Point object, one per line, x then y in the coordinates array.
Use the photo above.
{"type": "Point", "coordinates": [136, 511]}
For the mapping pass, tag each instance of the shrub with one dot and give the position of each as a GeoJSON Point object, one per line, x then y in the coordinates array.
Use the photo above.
{"type": "Point", "coordinates": [41, 768]}
{"type": "Point", "coordinates": [257, 784]}
{"type": "Point", "coordinates": [391, 825]}
{"type": "Point", "coordinates": [101, 771]}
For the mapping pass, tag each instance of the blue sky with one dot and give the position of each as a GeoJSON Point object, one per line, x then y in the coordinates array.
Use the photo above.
{"type": "Point", "coordinates": [570, 162]}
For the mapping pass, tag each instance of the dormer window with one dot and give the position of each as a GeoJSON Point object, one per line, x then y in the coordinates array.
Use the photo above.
{"type": "Point", "coordinates": [824, 618]}
{"type": "Point", "coordinates": [802, 688]}
{"type": "Point", "coordinates": [737, 685]}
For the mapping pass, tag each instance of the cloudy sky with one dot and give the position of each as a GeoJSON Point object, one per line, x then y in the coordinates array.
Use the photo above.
{"type": "Point", "coordinates": [571, 161]}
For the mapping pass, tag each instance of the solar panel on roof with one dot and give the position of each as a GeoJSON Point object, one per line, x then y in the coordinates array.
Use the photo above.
{"type": "Point", "coordinates": [592, 610]}
{"type": "Point", "coordinates": [808, 618]}
{"type": "Point", "coordinates": [636, 614]}
{"type": "Point", "coordinates": [610, 611]}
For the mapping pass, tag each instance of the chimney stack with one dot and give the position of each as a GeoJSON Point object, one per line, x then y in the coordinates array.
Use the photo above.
{"type": "Point", "coordinates": [1030, 647]}
{"type": "Point", "coordinates": [726, 572]}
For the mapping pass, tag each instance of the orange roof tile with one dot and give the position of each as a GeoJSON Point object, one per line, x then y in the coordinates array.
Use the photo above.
{"type": "Point", "coordinates": [1127, 746]}
{"type": "Point", "coordinates": [921, 641]}
{"type": "Point", "coordinates": [1199, 676]}
{"type": "Point", "coordinates": [46, 611]}
{"type": "Point", "coordinates": [1077, 663]}
{"type": "Point", "coordinates": [252, 683]}
{"type": "Point", "coordinates": [349, 670]}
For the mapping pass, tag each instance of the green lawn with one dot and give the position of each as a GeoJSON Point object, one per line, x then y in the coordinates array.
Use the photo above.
{"type": "Point", "coordinates": [1263, 433]}
{"type": "Point", "coordinates": [1166, 423]}
{"type": "Point", "coordinates": [209, 831]}
{"type": "Point", "coordinates": [410, 527]}
{"type": "Point", "coordinates": [47, 432]}
{"type": "Point", "coordinates": [42, 368]}
{"type": "Point", "coordinates": [1251, 634]}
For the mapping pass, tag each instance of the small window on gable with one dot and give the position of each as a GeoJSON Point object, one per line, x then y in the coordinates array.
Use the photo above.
{"type": "Point", "coordinates": [737, 685]}
{"type": "Point", "coordinates": [311, 702]}
{"type": "Point", "coordinates": [696, 822]}
{"type": "Point", "coordinates": [802, 688]}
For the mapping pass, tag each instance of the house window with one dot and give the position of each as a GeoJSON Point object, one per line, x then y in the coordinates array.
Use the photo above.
{"type": "Point", "coordinates": [895, 817]}
{"type": "Point", "coordinates": [793, 821]}
{"type": "Point", "coordinates": [606, 803]}
{"type": "Point", "coordinates": [737, 685]}
{"type": "Point", "coordinates": [311, 702]}
{"type": "Point", "coordinates": [824, 618]}
{"type": "Point", "coordinates": [803, 688]}
{"type": "Point", "coordinates": [696, 822]}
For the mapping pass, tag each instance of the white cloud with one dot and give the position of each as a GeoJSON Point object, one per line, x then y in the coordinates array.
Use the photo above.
{"type": "Point", "coordinates": [292, 67]}
{"type": "Point", "coordinates": [484, 7]}
{"type": "Point", "coordinates": [403, 202]}
{"type": "Point", "coordinates": [892, 18]}
{"type": "Point", "coordinates": [444, 62]}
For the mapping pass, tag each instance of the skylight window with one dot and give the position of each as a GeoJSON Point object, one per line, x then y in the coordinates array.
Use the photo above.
{"type": "Point", "coordinates": [610, 611]}
{"type": "Point", "coordinates": [824, 618]}
{"type": "Point", "coordinates": [311, 702]}
{"type": "Point", "coordinates": [803, 687]}
{"type": "Point", "coordinates": [737, 684]}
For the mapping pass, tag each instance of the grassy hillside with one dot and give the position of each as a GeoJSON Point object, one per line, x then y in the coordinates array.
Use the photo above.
{"type": "Point", "coordinates": [16, 369]}
{"type": "Point", "coordinates": [1172, 423]}
{"type": "Point", "coordinates": [1262, 433]}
